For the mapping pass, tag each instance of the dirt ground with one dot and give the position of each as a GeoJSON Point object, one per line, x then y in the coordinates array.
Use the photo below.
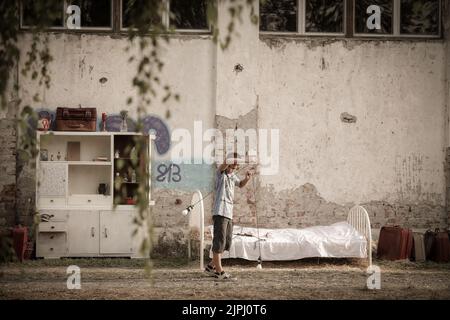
{"type": "Point", "coordinates": [175, 279]}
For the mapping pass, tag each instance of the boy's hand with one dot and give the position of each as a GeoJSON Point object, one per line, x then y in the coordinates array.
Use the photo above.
{"type": "Point", "coordinates": [248, 175]}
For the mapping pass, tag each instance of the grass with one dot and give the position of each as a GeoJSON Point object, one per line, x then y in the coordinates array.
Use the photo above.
{"type": "Point", "coordinates": [102, 263]}
{"type": "Point", "coordinates": [174, 263]}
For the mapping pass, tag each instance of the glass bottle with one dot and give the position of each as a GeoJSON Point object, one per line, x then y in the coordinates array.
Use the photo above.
{"type": "Point", "coordinates": [124, 125]}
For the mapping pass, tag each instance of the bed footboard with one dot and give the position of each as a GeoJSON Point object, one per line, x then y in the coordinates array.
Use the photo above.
{"type": "Point", "coordinates": [359, 219]}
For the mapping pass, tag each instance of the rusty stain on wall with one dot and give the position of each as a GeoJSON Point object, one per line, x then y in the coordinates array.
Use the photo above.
{"type": "Point", "coordinates": [409, 170]}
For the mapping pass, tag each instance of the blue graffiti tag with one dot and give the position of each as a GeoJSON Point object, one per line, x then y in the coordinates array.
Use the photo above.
{"type": "Point", "coordinates": [149, 124]}
{"type": "Point", "coordinates": [163, 140]}
{"type": "Point", "coordinates": [171, 173]}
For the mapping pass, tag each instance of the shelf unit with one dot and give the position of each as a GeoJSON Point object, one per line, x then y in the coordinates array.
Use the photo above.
{"type": "Point", "coordinates": [89, 215]}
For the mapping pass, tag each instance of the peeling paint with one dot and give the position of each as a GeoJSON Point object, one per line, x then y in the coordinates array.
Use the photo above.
{"type": "Point", "coordinates": [304, 207]}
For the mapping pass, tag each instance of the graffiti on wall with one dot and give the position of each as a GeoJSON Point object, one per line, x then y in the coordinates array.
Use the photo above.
{"type": "Point", "coordinates": [186, 177]}
{"type": "Point", "coordinates": [150, 124]}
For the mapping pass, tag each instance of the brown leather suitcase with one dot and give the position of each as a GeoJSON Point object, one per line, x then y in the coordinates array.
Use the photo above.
{"type": "Point", "coordinates": [440, 251]}
{"type": "Point", "coordinates": [395, 243]}
{"type": "Point", "coordinates": [76, 119]}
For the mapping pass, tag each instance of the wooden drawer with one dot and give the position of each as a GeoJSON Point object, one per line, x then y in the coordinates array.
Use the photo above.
{"type": "Point", "coordinates": [52, 226]}
{"type": "Point", "coordinates": [90, 200]}
{"type": "Point", "coordinates": [52, 244]}
{"type": "Point", "coordinates": [52, 201]}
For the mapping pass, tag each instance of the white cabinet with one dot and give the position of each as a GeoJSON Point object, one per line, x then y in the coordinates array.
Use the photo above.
{"type": "Point", "coordinates": [77, 196]}
{"type": "Point", "coordinates": [116, 232]}
{"type": "Point", "coordinates": [84, 233]}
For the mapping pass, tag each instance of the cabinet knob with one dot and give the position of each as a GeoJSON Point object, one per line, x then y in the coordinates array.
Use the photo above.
{"type": "Point", "coordinates": [51, 237]}
{"type": "Point", "coordinates": [89, 200]}
{"type": "Point", "coordinates": [52, 227]}
{"type": "Point", "coordinates": [51, 200]}
{"type": "Point", "coordinates": [51, 249]}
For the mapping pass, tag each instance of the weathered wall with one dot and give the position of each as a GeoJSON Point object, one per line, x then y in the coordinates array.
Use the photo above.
{"type": "Point", "coordinates": [391, 156]}
{"type": "Point", "coordinates": [81, 61]}
{"type": "Point", "coordinates": [447, 118]}
{"type": "Point", "coordinates": [391, 159]}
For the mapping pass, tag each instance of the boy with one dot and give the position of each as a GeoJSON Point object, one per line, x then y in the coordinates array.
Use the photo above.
{"type": "Point", "coordinates": [226, 180]}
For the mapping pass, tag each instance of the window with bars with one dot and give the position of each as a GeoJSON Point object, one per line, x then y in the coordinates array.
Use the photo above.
{"type": "Point", "coordinates": [395, 18]}
{"type": "Point", "coordinates": [181, 15]}
{"type": "Point", "coordinates": [302, 16]}
{"type": "Point", "coordinates": [401, 18]}
{"type": "Point", "coordinates": [131, 14]}
{"type": "Point", "coordinates": [363, 12]}
{"type": "Point", "coordinates": [420, 17]}
{"type": "Point", "coordinates": [94, 14]}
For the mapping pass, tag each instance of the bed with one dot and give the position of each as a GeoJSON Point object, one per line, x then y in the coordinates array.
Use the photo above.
{"type": "Point", "coordinates": [347, 239]}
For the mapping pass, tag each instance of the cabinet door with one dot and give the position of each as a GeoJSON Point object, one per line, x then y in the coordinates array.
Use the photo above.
{"type": "Point", "coordinates": [52, 179]}
{"type": "Point", "coordinates": [83, 233]}
{"type": "Point", "coordinates": [116, 232]}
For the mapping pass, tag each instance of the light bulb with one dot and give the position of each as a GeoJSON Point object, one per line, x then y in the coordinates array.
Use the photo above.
{"type": "Point", "coordinates": [185, 212]}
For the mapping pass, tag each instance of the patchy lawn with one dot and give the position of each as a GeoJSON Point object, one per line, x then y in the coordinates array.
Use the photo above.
{"type": "Point", "coordinates": [178, 279]}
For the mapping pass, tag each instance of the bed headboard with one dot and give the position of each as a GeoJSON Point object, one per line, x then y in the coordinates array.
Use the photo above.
{"type": "Point", "coordinates": [359, 219]}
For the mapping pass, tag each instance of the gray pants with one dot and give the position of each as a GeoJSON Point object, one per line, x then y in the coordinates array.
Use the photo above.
{"type": "Point", "coordinates": [223, 234]}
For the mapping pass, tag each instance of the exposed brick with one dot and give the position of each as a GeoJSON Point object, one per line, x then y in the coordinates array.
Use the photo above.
{"type": "Point", "coordinates": [8, 199]}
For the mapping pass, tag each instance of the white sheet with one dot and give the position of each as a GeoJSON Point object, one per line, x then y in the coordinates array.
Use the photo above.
{"type": "Point", "coordinates": [339, 240]}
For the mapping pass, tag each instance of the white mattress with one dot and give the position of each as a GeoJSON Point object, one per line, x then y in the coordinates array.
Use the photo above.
{"type": "Point", "coordinates": [339, 240]}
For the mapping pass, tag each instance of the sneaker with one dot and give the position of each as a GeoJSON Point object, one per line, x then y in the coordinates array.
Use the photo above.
{"type": "Point", "coordinates": [210, 270]}
{"type": "Point", "coordinates": [222, 275]}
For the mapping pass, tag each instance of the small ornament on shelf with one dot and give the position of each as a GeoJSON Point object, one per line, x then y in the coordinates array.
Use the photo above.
{"type": "Point", "coordinates": [116, 154]}
{"type": "Point", "coordinates": [124, 125]}
{"type": "Point", "coordinates": [104, 122]}
{"type": "Point", "coordinates": [44, 155]}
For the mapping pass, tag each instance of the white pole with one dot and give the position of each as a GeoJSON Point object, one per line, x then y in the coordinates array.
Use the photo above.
{"type": "Point", "coordinates": [202, 229]}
